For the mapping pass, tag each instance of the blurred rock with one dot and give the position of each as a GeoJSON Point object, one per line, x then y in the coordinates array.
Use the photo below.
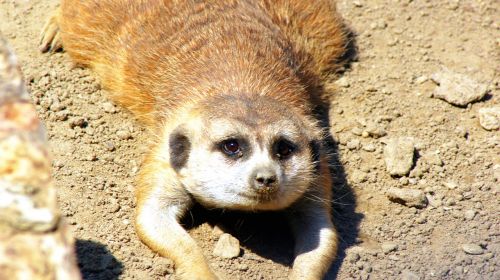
{"type": "Point", "coordinates": [34, 241]}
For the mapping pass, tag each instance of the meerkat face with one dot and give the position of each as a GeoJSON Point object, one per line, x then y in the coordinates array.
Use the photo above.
{"type": "Point", "coordinates": [245, 154]}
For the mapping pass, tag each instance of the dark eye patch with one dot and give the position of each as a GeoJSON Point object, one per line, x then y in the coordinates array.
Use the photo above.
{"type": "Point", "coordinates": [180, 147]}
{"type": "Point", "coordinates": [283, 148]}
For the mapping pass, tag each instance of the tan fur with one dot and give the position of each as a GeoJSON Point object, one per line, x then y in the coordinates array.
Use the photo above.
{"type": "Point", "coordinates": [163, 60]}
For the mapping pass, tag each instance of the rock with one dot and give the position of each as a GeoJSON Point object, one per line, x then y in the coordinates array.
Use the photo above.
{"type": "Point", "coordinates": [227, 247]}
{"type": "Point", "coordinates": [496, 172]}
{"type": "Point", "coordinates": [434, 159]}
{"type": "Point", "coordinates": [123, 134]}
{"type": "Point", "coordinates": [243, 267]}
{"type": "Point", "coordinates": [77, 122]}
{"type": "Point", "coordinates": [109, 146]}
{"type": "Point", "coordinates": [61, 116]}
{"type": "Point", "coordinates": [162, 266]}
{"type": "Point", "coordinates": [369, 147]}
{"type": "Point", "coordinates": [489, 118]}
{"type": "Point", "coordinates": [398, 156]}
{"type": "Point", "coordinates": [353, 257]}
{"type": "Point", "coordinates": [357, 4]}
{"type": "Point", "coordinates": [359, 176]}
{"type": "Point", "coordinates": [357, 131]}
{"type": "Point", "coordinates": [421, 79]}
{"type": "Point", "coordinates": [375, 131]}
{"type": "Point", "coordinates": [108, 107]}
{"type": "Point", "coordinates": [470, 214]}
{"type": "Point", "coordinates": [35, 242]}
{"type": "Point", "coordinates": [434, 202]}
{"type": "Point", "coordinates": [408, 197]}
{"type": "Point", "coordinates": [343, 82]}
{"type": "Point", "coordinates": [353, 144]}
{"type": "Point", "coordinates": [388, 247]}
{"type": "Point", "coordinates": [451, 185]}
{"type": "Point", "coordinates": [218, 230]}
{"type": "Point", "coordinates": [472, 249]}
{"type": "Point", "coordinates": [114, 207]}
{"type": "Point", "coordinates": [57, 106]}
{"type": "Point", "coordinates": [409, 275]}
{"type": "Point", "coordinates": [458, 89]}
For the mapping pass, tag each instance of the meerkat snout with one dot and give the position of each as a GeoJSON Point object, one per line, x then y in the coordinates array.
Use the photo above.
{"type": "Point", "coordinates": [264, 180]}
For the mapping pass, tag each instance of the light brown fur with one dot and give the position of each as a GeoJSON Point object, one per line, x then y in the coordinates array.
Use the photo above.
{"type": "Point", "coordinates": [163, 60]}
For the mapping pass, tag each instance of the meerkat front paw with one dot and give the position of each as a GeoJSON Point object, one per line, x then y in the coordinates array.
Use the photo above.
{"type": "Point", "coordinates": [50, 37]}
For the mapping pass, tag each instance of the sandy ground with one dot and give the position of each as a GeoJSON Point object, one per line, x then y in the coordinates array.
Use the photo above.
{"type": "Point", "coordinates": [97, 149]}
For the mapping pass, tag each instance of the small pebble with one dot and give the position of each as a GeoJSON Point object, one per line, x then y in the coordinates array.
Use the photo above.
{"type": "Point", "coordinates": [472, 249]}
{"type": "Point", "coordinates": [357, 131]}
{"type": "Point", "coordinates": [109, 146]}
{"type": "Point", "coordinates": [369, 147]}
{"type": "Point", "coordinates": [343, 82]}
{"type": "Point", "coordinates": [218, 230]}
{"type": "Point", "coordinates": [115, 207]}
{"type": "Point", "coordinates": [243, 267]}
{"type": "Point", "coordinates": [408, 197]}
{"type": "Point", "coordinates": [353, 257]}
{"type": "Point", "coordinates": [489, 118]}
{"type": "Point", "coordinates": [422, 79]}
{"type": "Point", "coordinates": [375, 131]}
{"type": "Point", "coordinates": [357, 3]}
{"type": "Point", "coordinates": [398, 156]}
{"type": "Point", "coordinates": [409, 275]}
{"type": "Point", "coordinates": [123, 134]}
{"type": "Point", "coordinates": [108, 107]}
{"type": "Point", "coordinates": [227, 247]}
{"type": "Point", "coordinates": [353, 144]}
{"type": "Point", "coordinates": [77, 122]}
{"type": "Point", "coordinates": [388, 247]}
{"type": "Point", "coordinates": [359, 176]}
{"type": "Point", "coordinates": [451, 185]}
{"type": "Point", "coordinates": [470, 214]}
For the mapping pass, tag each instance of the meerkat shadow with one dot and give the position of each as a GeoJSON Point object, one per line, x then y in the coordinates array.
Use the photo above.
{"type": "Point", "coordinates": [345, 217]}
{"type": "Point", "coordinates": [266, 234]}
{"type": "Point", "coordinates": [96, 262]}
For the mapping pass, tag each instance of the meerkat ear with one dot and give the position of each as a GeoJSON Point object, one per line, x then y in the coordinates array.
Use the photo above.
{"type": "Point", "coordinates": [179, 146]}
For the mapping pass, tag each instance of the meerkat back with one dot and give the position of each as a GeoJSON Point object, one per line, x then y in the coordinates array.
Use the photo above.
{"type": "Point", "coordinates": [129, 43]}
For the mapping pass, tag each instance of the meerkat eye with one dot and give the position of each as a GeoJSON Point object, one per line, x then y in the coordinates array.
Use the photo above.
{"type": "Point", "coordinates": [284, 149]}
{"type": "Point", "coordinates": [231, 147]}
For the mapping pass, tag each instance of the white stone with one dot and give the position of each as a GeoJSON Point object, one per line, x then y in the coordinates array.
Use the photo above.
{"type": "Point", "coordinates": [489, 118]}
{"type": "Point", "coordinates": [398, 156]}
{"type": "Point", "coordinates": [227, 247]}
{"type": "Point", "coordinates": [458, 89]}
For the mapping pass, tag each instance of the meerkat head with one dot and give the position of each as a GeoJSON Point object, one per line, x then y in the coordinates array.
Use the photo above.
{"type": "Point", "coordinates": [245, 153]}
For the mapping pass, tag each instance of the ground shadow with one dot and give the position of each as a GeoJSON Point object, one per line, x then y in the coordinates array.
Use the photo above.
{"type": "Point", "coordinates": [96, 262]}
{"type": "Point", "coordinates": [266, 234]}
{"type": "Point", "coordinates": [345, 218]}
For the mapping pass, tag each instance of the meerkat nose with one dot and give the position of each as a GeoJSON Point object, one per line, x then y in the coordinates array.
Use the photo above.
{"type": "Point", "coordinates": [265, 180]}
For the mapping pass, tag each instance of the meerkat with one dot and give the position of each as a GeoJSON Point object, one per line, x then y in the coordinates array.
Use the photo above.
{"type": "Point", "coordinates": [227, 90]}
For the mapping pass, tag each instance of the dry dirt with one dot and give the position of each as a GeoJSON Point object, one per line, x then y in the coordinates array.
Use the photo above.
{"type": "Point", "coordinates": [97, 149]}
